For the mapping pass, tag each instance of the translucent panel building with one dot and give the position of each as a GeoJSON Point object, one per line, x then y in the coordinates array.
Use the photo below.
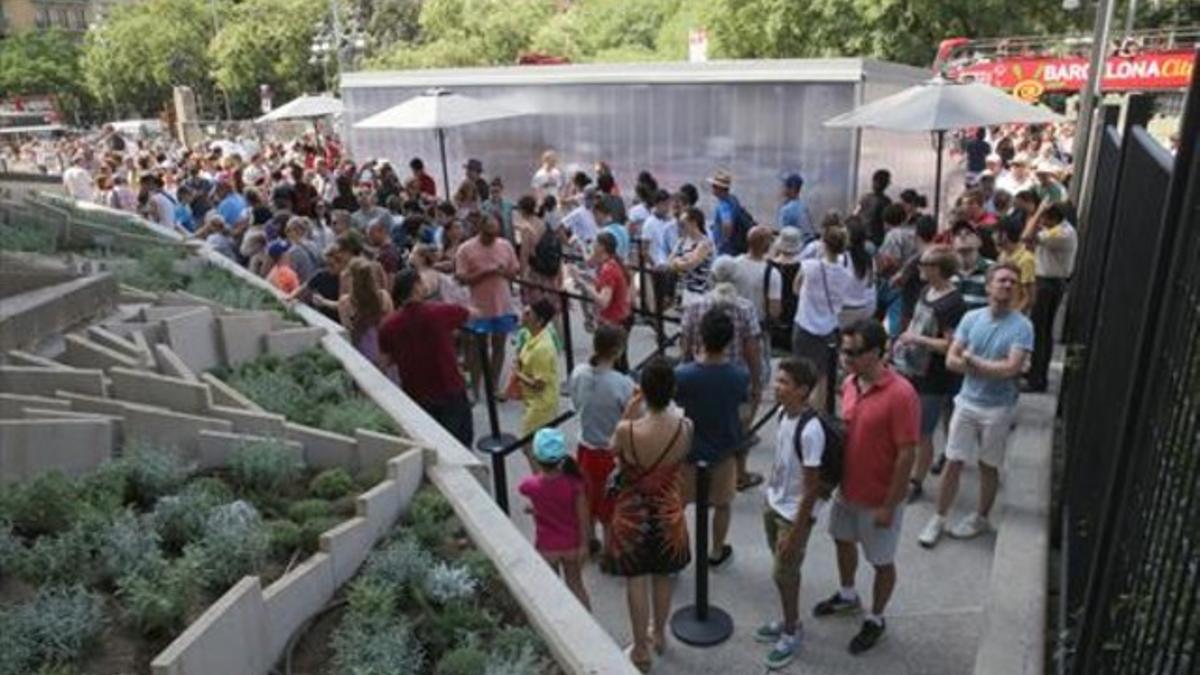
{"type": "Point", "coordinates": [680, 121]}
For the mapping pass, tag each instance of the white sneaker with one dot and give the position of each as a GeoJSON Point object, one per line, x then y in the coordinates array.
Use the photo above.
{"type": "Point", "coordinates": [932, 532]}
{"type": "Point", "coordinates": [970, 526]}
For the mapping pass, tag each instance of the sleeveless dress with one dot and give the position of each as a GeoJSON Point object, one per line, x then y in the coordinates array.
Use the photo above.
{"type": "Point", "coordinates": [695, 282]}
{"type": "Point", "coordinates": [647, 533]}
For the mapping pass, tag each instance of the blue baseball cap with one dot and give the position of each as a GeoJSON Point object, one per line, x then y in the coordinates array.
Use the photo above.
{"type": "Point", "coordinates": [793, 181]}
{"type": "Point", "coordinates": [549, 446]}
{"type": "Point", "coordinates": [277, 248]}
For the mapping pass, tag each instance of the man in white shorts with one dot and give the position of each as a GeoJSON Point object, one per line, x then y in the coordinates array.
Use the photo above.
{"type": "Point", "coordinates": [991, 346]}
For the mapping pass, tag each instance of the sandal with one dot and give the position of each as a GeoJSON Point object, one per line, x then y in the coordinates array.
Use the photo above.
{"type": "Point", "coordinates": [749, 480]}
{"type": "Point", "coordinates": [643, 665]}
{"type": "Point", "coordinates": [658, 641]}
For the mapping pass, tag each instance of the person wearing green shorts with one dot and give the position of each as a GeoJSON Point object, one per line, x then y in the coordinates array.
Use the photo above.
{"type": "Point", "coordinates": [792, 492]}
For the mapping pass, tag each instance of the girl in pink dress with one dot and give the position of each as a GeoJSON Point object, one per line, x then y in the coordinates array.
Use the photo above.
{"type": "Point", "coordinates": [559, 507]}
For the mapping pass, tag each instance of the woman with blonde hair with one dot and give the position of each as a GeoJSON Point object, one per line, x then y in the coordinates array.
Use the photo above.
{"type": "Point", "coordinates": [362, 306]}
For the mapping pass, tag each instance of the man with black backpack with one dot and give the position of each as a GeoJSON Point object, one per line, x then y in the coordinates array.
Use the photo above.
{"type": "Point", "coordinates": [882, 414]}
{"type": "Point", "coordinates": [808, 454]}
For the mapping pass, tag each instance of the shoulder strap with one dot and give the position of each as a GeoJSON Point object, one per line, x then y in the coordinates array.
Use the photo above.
{"type": "Point", "coordinates": [667, 448]}
{"type": "Point", "coordinates": [825, 283]}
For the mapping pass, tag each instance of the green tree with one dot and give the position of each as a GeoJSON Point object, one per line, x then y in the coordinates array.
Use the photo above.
{"type": "Point", "coordinates": [394, 22]}
{"type": "Point", "coordinates": [42, 63]}
{"type": "Point", "coordinates": [133, 59]}
{"type": "Point", "coordinates": [266, 42]}
{"type": "Point", "coordinates": [468, 33]}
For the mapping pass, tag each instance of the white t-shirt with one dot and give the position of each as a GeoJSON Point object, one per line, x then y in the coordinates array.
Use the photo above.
{"type": "Point", "coordinates": [748, 277]}
{"type": "Point", "coordinates": [823, 294]}
{"type": "Point", "coordinates": [163, 209]}
{"type": "Point", "coordinates": [581, 223]}
{"type": "Point", "coordinates": [638, 213]}
{"type": "Point", "coordinates": [1010, 184]}
{"type": "Point", "coordinates": [549, 182]}
{"type": "Point", "coordinates": [862, 291]}
{"type": "Point", "coordinates": [785, 487]}
{"type": "Point", "coordinates": [78, 183]}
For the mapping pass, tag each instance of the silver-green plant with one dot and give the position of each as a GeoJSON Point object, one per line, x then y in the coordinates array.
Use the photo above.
{"type": "Point", "coordinates": [11, 549]}
{"type": "Point", "coordinates": [66, 558]}
{"type": "Point", "coordinates": [264, 467]}
{"type": "Point", "coordinates": [235, 543]}
{"type": "Point", "coordinates": [157, 600]}
{"type": "Point", "coordinates": [401, 562]}
{"type": "Point", "coordinates": [446, 583]}
{"type": "Point", "coordinates": [376, 645]}
{"type": "Point", "coordinates": [525, 662]}
{"type": "Point", "coordinates": [179, 519]}
{"type": "Point", "coordinates": [60, 622]}
{"type": "Point", "coordinates": [153, 472]}
{"type": "Point", "coordinates": [129, 546]}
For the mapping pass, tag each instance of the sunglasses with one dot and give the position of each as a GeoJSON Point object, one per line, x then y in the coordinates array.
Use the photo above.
{"type": "Point", "coordinates": [854, 353]}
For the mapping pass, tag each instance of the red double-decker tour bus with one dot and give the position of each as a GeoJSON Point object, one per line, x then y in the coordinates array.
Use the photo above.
{"type": "Point", "coordinates": [1030, 67]}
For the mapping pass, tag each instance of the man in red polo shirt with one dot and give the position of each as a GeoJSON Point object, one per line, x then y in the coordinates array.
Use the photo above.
{"type": "Point", "coordinates": [419, 339]}
{"type": "Point", "coordinates": [882, 414]}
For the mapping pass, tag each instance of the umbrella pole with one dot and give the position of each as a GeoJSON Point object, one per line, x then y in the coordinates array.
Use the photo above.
{"type": "Point", "coordinates": [441, 135]}
{"type": "Point", "coordinates": [937, 185]}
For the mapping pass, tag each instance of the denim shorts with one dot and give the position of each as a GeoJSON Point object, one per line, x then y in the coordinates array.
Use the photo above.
{"type": "Point", "coordinates": [503, 324]}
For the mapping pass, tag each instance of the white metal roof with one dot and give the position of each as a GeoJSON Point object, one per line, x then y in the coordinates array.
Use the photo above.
{"type": "Point", "coordinates": [674, 72]}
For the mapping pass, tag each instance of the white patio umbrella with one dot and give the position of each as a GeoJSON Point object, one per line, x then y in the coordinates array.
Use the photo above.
{"type": "Point", "coordinates": [438, 109]}
{"type": "Point", "coordinates": [941, 105]}
{"type": "Point", "coordinates": [304, 107]}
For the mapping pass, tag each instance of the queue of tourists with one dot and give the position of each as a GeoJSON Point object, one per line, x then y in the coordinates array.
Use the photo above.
{"type": "Point", "coordinates": [888, 323]}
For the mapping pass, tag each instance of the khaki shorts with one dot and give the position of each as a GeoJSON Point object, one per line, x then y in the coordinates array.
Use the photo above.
{"type": "Point", "coordinates": [979, 434]}
{"type": "Point", "coordinates": [785, 568]}
{"type": "Point", "coordinates": [722, 485]}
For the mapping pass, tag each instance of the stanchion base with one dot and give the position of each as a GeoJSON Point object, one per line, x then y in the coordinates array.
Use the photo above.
{"type": "Point", "coordinates": [490, 445]}
{"type": "Point", "coordinates": [688, 628]}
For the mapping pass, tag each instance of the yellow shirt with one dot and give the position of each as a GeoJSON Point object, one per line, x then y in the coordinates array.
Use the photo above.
{"type": "Point", "coordinates": [1025, 262]}
{"type": "Point", "coordinates": [539, 359]}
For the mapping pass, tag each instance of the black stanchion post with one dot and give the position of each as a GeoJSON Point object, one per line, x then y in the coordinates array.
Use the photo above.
{"type": "Point", "coordinates": [495, 443]}
{"type": "Point", "coordinates": [641, 273]}
{"type": "Point", "coordinates": [701, 624]}
{"type": "Point", "coordinates": [568, 343]}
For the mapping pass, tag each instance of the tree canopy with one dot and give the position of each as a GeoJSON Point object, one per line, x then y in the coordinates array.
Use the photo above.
{"type": "Point", "coordinates": [266, 42]}
{"type": "Point", "coordinates": [42, 63]}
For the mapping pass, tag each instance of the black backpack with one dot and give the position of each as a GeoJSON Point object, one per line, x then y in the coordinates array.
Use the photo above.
{"type": "Point", "coordinates": [834, 453]}
{"type": "Point", "coordinates": [547, 254]}
{"type": "Point", "coordinates": [780, 329]}
{"type": "Point", "coordinates": [742, 223]}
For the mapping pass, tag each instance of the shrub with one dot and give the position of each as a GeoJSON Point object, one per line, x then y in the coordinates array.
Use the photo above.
{"type": "Point", "coordinates": [220, 286]}
{"type": "Point", "coordinates": [285, 537]}
{"type": "Point", "coordinates": [371, 598]}
{"type": "Point", "coordinates": [179, 519]}
{"type": "Point", "coordinates": [152, 473]}
{"type": "Point", "coordinates": [128, 546]}
{"type": "Point", "coordinates": [466, 660]}
{"type": "Point", "coordinates": [375, 646]}
{"type": "Point", "coordinates": [526, 662]}
{"type": "Point", "coordinates": [511, 641]}
{"type": "Point", "coordinates": [234, 544]}
{"type": "Point", "coordinates": [275, 392]}
{"type": "Point", "coordinates": [305, 510]}
{"type": "Point", "coordinates": [428, 515]}
{"type": "Point", "coordinates": [264, 467]}
{"type": "Point", "coordinates": [158, 601]}
{"type": "Point", "coordinates": [11, 550]}
{"type": "Point", "coordinates": [331, 484]}
{"type": "Point", "coordinates": [455, 622]}
{"type": "Point", "coordinates": [480, 566]}
{"type": "Point", "coordinates": [66, 558]}
{"type": "Point", "coordinates": [445, 583]}
{"type": "Point", "coordinates": [106, 489]}
{"type": "Point", "coordinates": [400, 563]}
{"type": "Point", "coordinates": [313, 529]}
{"type": "Point", "coordinates": [355, 412]}
{"type": "Point", "coordinates": [16, 647]}
{"type": "Point", "coordinates": [46, 505]}
{"type": "Point", "coordinates": [217, 490]}
{"type": "Point", "coordinates": [60, 623]}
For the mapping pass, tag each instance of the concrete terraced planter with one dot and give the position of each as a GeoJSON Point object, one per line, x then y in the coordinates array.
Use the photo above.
{"type": "Point", "coordinates": [160, 358]}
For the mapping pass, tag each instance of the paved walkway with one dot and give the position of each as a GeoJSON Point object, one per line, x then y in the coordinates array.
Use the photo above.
{"type": "Point", "coordinates": [935, 618]}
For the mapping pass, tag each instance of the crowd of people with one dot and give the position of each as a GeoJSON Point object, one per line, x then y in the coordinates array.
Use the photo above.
{"type": "Point", "coordinates": [920, 323]}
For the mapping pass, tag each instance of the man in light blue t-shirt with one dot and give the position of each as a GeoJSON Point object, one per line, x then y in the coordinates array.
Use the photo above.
{"type": "Point", "coordinates": [991, 347]}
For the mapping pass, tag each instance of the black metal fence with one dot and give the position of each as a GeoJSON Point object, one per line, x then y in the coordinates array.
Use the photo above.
{"type": "Point", "coordinates": [1131, 484]}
